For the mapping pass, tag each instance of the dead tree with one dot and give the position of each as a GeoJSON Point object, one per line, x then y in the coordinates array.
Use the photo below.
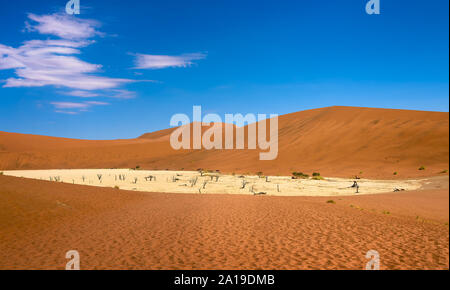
{"type": "Point", "coordinates": [252, 190]}
{"type": "Point", "coordinates": [356, 185]}
{"type": "Point", "coordinates": [244, 184]}
{"type": "Point", "coordinates": [260, 193]}
{"type": "Point", "coordinates": [193, 181]}
{"type": "Point", "coordinates": [99, 176]}
{"type": "Point", "coordinates": [150, 178]}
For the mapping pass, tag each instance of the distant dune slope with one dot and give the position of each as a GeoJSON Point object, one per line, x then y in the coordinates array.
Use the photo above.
{"type": "Point", "coordinates": [335, 141]}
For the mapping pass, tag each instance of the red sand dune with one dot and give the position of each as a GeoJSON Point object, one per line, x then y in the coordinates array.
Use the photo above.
{"type": "Point", "coordinates": [336, 141]}
{"type": "Point", "coordinates": [114, 229]}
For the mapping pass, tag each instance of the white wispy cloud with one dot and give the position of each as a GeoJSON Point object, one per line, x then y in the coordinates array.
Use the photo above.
{"type": "Point", "coordinates": [150, 61]}
{"type": "Point", "coordinates": [69, 105]}
{"type": "Point", "coordinates": [66, 112]}
{"type": "Point", "coordinates": [121, 94]}
{"type": "Point", "coordinates": [63, 26]}
{"type": "Point", "coordinates": [40, 63]}
{"type": "Point", "coordinates": [81, 94]}
{"type": "Point", "coordinates": [75, 107]}
{"type": "Point", "coordinates": [113, 93]}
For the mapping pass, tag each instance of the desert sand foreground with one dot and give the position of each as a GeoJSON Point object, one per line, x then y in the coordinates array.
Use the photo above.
{"type": "Point", "coordinates": [215, 183]}
{"type": "Point", "coordinates": [118, 229]}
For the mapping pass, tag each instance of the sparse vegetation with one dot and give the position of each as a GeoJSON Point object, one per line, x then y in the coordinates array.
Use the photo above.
{"type": "Point", "coordinates": [421, 168]}
{"type": "Point", "coordinates": [1, 172]}
{"type": "Point", "coordinates": [356, 207]}
{"type": "Point", "coordinates": [116, 187]}
{"type": "Point", "coordinates": [318, 178]}
{"type": "Point", "coordinates": [386, 212]}
{"type": "Point", "coordinates": [331, 201]}
{"type": "Point", "coordinates": [442, 172]}
{"type": "Point", "coordinates": [300, 175]}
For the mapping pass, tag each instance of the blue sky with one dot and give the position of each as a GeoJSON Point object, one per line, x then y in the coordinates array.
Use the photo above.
{"type": "Point", "coordinates": [123, 68]}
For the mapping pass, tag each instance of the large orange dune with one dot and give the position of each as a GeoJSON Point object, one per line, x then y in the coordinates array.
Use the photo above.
{"type": "Point", "coordinates": [336, 141]}
{"type": "Point", "coordinates": [114, 229]}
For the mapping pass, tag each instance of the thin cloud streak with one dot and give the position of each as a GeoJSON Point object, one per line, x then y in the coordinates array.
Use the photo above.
{"type": "Point", "coordinates": [81, 94]}
{"type": "Point", "coordinates": [113, 93]}
{"type": "Point", "coordinates": [149, 61]}
{"type": "Point", "coordinates": [73, 108]}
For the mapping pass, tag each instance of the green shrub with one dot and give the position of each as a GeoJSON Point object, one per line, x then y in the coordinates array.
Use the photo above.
{"type": "Point", "coordinates": [116, 187]}
{"type": "Point", "coordinates": [318, 178]}
{"type": "Point", "coordinates": [1, 172]}
{"type": "Point", "coordinates": [260, 174]}
{"type": "Point", "coordinates": [421, 168]}
{"type": "Point", "coordinates": [300, 175]}
{"type": "Point", "coordinates": [331, 201]}
{"type": "Point", "coordinates": [395, 173]}
{"type": "Point", "coordinates": [442, 172]}
{"type": "Point", "coordinates": [316, 174]}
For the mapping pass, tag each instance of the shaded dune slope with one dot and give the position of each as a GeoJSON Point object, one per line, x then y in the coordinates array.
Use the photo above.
{"type": "Point", "coordinates": [336, 141]}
